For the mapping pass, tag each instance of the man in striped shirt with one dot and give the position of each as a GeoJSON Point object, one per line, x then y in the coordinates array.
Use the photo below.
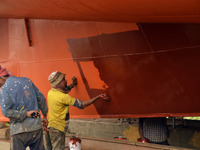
{"type": "Point", "coordinates": [154, 130]}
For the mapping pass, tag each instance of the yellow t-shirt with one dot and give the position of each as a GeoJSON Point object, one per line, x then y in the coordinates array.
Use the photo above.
{"type": "Point", "coordinates": [58, 103]}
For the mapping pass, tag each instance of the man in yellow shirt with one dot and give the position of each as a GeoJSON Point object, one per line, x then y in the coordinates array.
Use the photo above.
{"type": "Point", "coordinates": [59, 102]}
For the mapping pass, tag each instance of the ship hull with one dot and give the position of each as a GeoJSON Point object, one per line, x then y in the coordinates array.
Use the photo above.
{"type": "Point", "coordinates": [149, 70]}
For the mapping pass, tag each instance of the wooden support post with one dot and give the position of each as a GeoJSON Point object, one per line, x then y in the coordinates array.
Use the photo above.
{"type": "Point", "coordinates": [5, 133]}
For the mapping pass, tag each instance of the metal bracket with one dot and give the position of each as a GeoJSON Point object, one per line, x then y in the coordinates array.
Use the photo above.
{"type": "Point", "coordinates": [28, 31]}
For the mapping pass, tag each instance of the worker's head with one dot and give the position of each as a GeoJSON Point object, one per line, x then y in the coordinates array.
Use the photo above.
{"type": "Point", "coordinates": [4, 74]}
{"type": "Point", "coordinates": [57, 80]}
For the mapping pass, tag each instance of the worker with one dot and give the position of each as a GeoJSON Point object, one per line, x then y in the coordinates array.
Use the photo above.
{"type": "Point", "coordinates": [59, 101]}
{"type": "Point", "coordinates": [20, 102]}
{"type": "Point", "coordinates": [154, 130]}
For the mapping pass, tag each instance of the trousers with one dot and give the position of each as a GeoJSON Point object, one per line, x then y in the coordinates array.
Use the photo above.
{"type": "Point", "coordinates": [33, 140]}
{"type": "Point", "coordinates": [57, 139]}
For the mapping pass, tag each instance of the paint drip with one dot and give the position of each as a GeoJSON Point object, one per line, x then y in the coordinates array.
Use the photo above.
{"type": "Point", "coordinates": [74, 143]}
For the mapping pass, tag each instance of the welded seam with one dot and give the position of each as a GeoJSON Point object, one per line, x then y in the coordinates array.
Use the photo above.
{"type": "Point", "coordinates": [104, 50]}
{"type": "Point", "coordinates": [112, 56]}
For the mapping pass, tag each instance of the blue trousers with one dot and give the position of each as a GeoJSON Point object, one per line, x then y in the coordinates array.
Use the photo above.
{"type": "Point", "coordinates": [33, 140]}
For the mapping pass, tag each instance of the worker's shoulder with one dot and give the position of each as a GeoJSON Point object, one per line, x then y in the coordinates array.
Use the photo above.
{"type": "Point", "coordinates": [13, 81]}
{"type": "Point", "coordinates": [54, 93]}
{"type": "Point", "coordinates": [22, 79]}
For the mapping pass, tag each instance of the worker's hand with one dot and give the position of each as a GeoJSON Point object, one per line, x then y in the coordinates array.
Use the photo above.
{"type": "Point", "coordinates": [45, 121]}
{"type": "Point", "coordinates": [143, 140]}
{"type": "Point", "coordinates": [105, 97]}
{"type": "Point", "coordinates": [45, 124]}
{"type": "Point", "coordinates": [32, 114]}
{"type": "Point", "coordinates": [74, 80]}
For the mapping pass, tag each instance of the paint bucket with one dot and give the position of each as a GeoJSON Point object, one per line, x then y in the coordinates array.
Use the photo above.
{"type": "Point", "coordinates": [74, 143]}
{"type": "Point", "coordinates": [120, 138]}
{"type": "Point", "coordinates": [143, 140]}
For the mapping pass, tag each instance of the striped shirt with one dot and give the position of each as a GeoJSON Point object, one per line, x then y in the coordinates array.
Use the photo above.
{"type": "Point", "coordinates": [155, 129]}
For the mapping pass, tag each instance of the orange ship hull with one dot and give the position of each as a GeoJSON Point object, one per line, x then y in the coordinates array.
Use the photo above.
{"type": "Point", "coordinates": [148, 69]}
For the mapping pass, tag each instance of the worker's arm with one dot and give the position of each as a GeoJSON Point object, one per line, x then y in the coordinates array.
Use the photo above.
{"type": "Point", "coordinates": [6, 108]}
{"type": "Point", "coordinates": [69, 87]}
{"type": "Point", "coordinates": [103, 96]}
{"type": "Point", "coordinates": [141, 128]}
{"type": "Point", "coordinates": [41, 101]}
{"type": "Point", "coordinates": [78, 103]}
{"type": "Point", "coordinates": [168, 132]}
{"type": "Point", "coordinates": [9, 112]}
{"type": "Point", "coordinates": [74, 82]}
{"type": "Point", "coordinates": [42, 104]}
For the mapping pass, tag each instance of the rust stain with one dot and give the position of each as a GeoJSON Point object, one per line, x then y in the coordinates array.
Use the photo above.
{"type": "Point", "coordinates": [131, 133]}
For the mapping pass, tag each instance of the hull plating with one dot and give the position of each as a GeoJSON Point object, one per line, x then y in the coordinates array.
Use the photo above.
{"type": "Point", "coordinates": [148, 69]}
